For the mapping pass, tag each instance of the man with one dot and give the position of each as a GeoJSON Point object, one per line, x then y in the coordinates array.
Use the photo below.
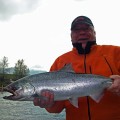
{"type": "Point", "coordinates": [88, 57]}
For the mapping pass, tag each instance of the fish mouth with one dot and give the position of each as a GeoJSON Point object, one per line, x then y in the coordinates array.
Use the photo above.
{"type": "Point", "coordinates": [12, 91]}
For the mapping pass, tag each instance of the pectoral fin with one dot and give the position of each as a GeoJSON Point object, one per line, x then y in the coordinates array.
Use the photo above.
{"type": "Point", "coordinates": [74, 102]}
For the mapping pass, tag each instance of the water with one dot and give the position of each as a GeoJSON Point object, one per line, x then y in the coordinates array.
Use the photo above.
{"type": "Point", "coordinates": [25, 110]}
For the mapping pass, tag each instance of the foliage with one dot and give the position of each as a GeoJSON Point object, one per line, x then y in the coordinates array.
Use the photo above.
{"type": "Point", "coordinates": [3, 64]}
{"type": "Point", "coordinates": [21, 69]}
{"type": "Point", "coordinates": [6, 77]}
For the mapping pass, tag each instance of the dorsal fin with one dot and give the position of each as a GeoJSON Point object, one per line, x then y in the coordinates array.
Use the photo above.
{"type": "Point", "coordinates": [67, 68]}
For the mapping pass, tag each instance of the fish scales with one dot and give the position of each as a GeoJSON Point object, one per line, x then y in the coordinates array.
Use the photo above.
{"type": "Point", "coordinates": [65, 84]}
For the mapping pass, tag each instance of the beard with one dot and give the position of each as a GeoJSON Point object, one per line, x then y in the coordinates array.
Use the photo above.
{"type": "Point", "coordinates": [87, 49]}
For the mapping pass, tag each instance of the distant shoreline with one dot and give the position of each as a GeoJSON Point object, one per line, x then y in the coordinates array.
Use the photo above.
{"type": "Point", "coordinates": [1, 89]}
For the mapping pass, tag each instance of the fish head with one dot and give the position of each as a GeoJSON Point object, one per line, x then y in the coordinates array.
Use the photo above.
{"type": "Point", "coordinates": [19, 90]}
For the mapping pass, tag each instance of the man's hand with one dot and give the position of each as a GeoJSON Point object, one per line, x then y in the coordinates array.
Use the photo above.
{"type": "Point", "coordinates": [115, 87]}
{"type": "Point", "coordinates": [45, 102]}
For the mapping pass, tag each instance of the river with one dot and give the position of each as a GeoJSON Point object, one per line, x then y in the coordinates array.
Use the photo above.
{"type": "Point", "coordinates": [25, 110]}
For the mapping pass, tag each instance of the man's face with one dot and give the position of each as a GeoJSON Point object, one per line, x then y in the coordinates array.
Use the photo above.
{"type": "Point", "coordinates": [83, 33]}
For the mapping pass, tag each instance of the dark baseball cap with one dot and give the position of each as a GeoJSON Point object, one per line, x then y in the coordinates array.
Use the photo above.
{"type": "Point", "coordinates": [80, 20]}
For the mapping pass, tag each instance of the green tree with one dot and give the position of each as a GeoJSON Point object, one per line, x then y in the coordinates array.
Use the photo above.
{"type": "Point", "coordinates": [21, 70]}
{"type": "Point", "coordinates": [3, 66]}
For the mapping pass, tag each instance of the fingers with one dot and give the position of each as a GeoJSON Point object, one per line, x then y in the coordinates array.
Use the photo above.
{"type": "Point", "coordinates": [36, 102]}
{"type": "Point", "coordinates": [115, 87]}
{"type": "Point", "coordinates": [115, 77]}
{"type": "Point", "coordinates": [47, 99]}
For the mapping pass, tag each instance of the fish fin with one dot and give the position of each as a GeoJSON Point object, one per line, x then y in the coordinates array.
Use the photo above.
{"type": "Point", "coordinates": [67, 68]}
{"type": "Point", "coordinates": [97, 97]}
{"type": "Point", "coordinates": [74, 101]}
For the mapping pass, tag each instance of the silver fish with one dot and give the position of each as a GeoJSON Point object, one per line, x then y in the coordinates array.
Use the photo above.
{"type": "Point", "coordinates": [65, 84]}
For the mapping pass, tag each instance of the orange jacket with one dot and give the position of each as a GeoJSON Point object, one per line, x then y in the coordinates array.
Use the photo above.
{"type": "Point", "coordinates": [103, 60]}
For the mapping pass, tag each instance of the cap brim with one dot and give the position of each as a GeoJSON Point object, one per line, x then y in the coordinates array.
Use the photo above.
{"type": "Point", "coordinates": [74, 25]}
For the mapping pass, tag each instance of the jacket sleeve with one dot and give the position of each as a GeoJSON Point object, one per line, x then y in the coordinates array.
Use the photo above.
{"type": "Point", "coordinates": [58, 64]}
{"type": "Point", "coordinates": [57, 107]}
{"type": "Point", "coordinates": [117, 58]}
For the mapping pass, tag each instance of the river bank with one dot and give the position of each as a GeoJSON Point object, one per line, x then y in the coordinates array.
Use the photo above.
{"type": "Point", "coordinates": [1, 89]}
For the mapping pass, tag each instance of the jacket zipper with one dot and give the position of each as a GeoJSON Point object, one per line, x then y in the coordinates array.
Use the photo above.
{"type": "Point", "coordinates": [88, 103]}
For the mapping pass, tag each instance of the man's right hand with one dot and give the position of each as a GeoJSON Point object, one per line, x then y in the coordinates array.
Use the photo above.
{"type": "Point", "coordinates": [47, 100]}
